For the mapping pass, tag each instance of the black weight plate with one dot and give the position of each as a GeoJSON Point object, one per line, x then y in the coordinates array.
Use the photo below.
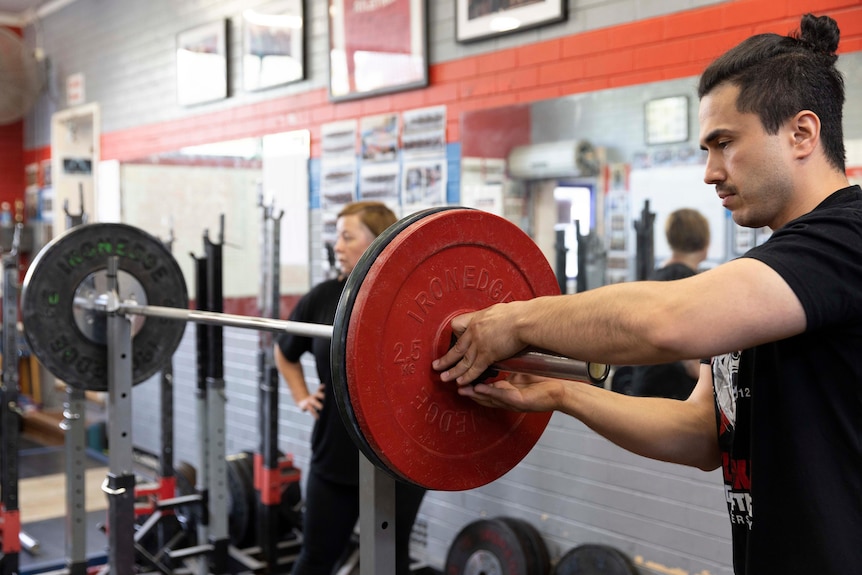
{"type": "Point", "coordinates": [338, 361]}
{"type": "Point", "coordinates": [241, 516]}
{"type": "Point", "coordinates": [540, 557]}
{"type": "Point", "coordinates": [593, 559]}
{"type": "Point", "coordinates": [189, 515]}
{"type": "Point", "coordinates": [488, 547]}
{"type": "Point", "coordinates": [63, 265]}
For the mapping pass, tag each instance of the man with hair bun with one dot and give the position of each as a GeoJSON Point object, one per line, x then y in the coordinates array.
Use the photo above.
{"type": "Point", "coordinates": [778, 405]}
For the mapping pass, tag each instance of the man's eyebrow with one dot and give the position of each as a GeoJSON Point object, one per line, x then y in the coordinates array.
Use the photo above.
{"type": "Point", "coordinates": [712, 136]}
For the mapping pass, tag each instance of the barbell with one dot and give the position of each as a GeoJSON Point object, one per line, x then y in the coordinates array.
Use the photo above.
{"type": "Point", "coordinates": [392, 320]}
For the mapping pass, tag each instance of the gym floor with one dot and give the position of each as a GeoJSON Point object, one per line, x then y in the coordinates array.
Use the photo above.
{"type": "Point", "coordinates": [42, 501]}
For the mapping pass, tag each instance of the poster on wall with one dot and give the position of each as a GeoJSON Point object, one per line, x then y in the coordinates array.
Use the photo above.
{"type": "Point", "coordinates": [487, 197]}
{"type": "Point", "coordinates": [424, 132]}
{"type": "Point", "coordinates": [378, 173]}
{"type": "Point", "coordinates": [424, 184]}
{"type": "Point", "coordinates": [337, 172]}
{"type": "Point", "coordinates": [376, 47]}
{"type": "Point", "coordinates": [482, 184]}
{"type": "Point", "coordinates": [617, 212]}
{"type": "Point", "coordinates": [379, 138]}
{"type": "Point", "coordinates": [379, 182]}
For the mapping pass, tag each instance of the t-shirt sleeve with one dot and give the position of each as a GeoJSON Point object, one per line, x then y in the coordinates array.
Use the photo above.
{"type": "Point", "coordinates": [819, 258]}
{"type": "Point", "coordinates": [292, 345]}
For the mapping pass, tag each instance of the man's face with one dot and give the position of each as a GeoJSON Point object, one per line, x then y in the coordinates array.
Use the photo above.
{"type": "Point", "coordinates": [749, 168]}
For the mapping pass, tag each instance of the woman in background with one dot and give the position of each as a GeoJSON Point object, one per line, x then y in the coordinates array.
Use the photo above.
{"type": "Point", "coordinates": [332, 480]}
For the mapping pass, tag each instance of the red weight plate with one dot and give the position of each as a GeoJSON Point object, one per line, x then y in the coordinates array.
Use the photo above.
{"type": "Point", "coordinates": [490, 547]}
{"type": "Point", "coordinates": [444, 264]}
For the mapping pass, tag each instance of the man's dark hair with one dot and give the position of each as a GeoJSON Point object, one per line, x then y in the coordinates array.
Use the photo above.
{"type": "Point", "coordinates": [779, 76]}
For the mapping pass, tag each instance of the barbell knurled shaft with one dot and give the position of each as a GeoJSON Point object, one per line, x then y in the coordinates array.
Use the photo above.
{"type": "Point", "coordinates": [229, 320]}
{"type": "Point", "coordinates": [529, 362]}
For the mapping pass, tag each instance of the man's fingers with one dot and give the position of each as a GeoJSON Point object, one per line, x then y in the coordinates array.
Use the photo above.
{"type": "Point", "coordinates": [473, 371]}
{"type": "Point", "coordinates": [454, 357]}
{"type": "Point", "coordinates": [498, 395]}
{"type": "Point", "coordinates": [477, 396]}
{"type": "Point", "coordinates": [459, 323]}
{"type": "Point", "coordinates": [459, 349]}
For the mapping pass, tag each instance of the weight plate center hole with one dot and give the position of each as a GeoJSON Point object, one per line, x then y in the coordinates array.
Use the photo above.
{"type": "Point", "coordinates": [483, 562]}
{"type": "Point", "coordinates": [91, 295]}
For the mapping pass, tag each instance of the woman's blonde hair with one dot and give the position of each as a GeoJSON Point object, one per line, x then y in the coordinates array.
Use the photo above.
{"type": "Point", "coordinates": [376, 216]}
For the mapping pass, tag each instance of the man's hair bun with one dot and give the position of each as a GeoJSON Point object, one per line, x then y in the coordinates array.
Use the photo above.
{"type": "Point", "coordinates": [820, 33]}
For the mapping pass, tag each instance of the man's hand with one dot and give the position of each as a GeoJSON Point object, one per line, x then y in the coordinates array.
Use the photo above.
{"type": "Point", "coordinates": [484, 337]}
{"type": "Point", "coordinates": [519, 392]}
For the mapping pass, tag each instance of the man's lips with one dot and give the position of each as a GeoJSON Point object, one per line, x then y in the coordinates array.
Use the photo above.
{"type": "Point", "coordinates": [725, 196]}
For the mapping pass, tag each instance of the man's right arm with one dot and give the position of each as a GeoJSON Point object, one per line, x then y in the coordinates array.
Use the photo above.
{"type": "Point", "coordinates": [734, 306]}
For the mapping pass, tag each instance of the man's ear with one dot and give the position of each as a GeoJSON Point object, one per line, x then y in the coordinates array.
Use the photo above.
{"type": "Point", "coordinates": [805, 127]}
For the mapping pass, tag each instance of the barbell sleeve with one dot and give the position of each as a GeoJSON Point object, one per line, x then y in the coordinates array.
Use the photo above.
{"type": "Point", "coordinates": [532, 362]}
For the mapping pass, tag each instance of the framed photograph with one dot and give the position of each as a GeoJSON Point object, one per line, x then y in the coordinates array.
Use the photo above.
{"type": "Point", "coordinates": [202, 64]}
{"type": "Point", "coordinates": [273, 45]}
{"type": "Point", "coordinates": [376, 47]}
{"type": "Point", "coordinates": [666, 120]}
{"type": "Point", "coordinates": [480, 19]}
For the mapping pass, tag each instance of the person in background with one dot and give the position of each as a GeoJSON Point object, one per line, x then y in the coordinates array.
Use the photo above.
{"type": "Point", "coordinates": [778, 405]}
{"type": "Point", "coordinates": [687, 233]}
{"type": "Point", "coordinates": [332, 480]}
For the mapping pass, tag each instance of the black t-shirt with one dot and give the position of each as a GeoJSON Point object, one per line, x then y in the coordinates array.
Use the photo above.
{"type": "Point", "coordinates": [333, 453]}
{"type": "Point", "coordinates": [790, 412]}
{"type": "Point", "coordinates": [673, 271]}
{"type": "Point", "coordinates": [666, 379]}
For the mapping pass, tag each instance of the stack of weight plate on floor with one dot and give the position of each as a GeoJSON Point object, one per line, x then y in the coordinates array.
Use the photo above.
{"type": "Point", "coordinates": [510, 546]}
{"type": "Point", "coordinates": [242, 505]}
{"type": "Point", "coordinates": [499, 546]}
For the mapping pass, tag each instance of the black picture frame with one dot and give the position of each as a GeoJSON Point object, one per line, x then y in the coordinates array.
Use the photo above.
{"type": "Point", "coordinates": [364, 62]}
{"type": "Point", "coordinates": [273, 45]}
{"type": "Point", "coordinates": [202, 59]}
{"type": "Point", "coordinates": [482, 19]}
